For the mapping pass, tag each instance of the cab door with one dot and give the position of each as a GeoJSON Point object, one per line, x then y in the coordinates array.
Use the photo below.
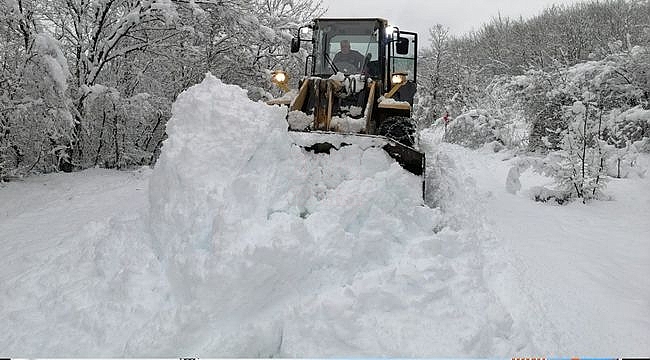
{"type": "Point", "coordinates": [403, 59]}
{"type": "Point", "coordinates": [406, 62]}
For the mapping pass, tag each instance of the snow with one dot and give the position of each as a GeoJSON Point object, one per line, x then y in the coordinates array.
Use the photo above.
{"type": "Point", "coordinates": [13, 5]}
{"type": "Point", "coordinates": [267, 32]}
{"type": "Point", "coordinates": [55, 61]}
{"type": "Point", "coordinates": [77, 275]}
{"type": "Point", "coordinates": [635, 114]}
{"type": "Point", "coordinates": [348, 124]}
{"type": "Point", "coordinates": [298, 120]}
{"type": "Point", "coordinates": [339, 76]}
{"type": "Point", "coordinates": [512, 180]}
{"type": "Point", "coordinates": [354, 83]}
{"type": "Point", "coordinates": [241, 244]}
{"type": "Point", "coordinates": [585, 266]}
{"type": "Point", "coordinates": [390, 101]}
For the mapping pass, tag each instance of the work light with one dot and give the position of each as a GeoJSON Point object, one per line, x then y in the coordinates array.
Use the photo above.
{"type": "Point", "coordinates": [397, 79]}
{"type": "Point", "coordinates": [280, 78]}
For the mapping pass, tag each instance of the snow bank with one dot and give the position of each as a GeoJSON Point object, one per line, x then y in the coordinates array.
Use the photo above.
{"type": "Point", "coordinates": [271, 250]}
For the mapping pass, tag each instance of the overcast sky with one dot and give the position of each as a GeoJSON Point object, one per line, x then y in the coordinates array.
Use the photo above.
{"type": "Point", "coordinates": [419, 15]}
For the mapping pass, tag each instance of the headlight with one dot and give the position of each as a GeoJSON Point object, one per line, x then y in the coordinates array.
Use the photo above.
{"type": "Point", "coordinates": [397, 79]}
{"type": "Point", "coordinates": [281, 79]}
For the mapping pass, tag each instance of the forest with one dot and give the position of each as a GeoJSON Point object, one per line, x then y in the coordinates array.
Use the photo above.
{"type": "Point", "coordinates": [90, 83]}
{"type": "Point", "coordinates": [571, 85]}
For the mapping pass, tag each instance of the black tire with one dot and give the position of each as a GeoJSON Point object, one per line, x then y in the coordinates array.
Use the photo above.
{"type": "Point", "coordinates": [399, 128]}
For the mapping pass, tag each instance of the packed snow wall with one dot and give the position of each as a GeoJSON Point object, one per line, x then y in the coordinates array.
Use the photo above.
{"type": "Point", "coordinates": [275, 251]}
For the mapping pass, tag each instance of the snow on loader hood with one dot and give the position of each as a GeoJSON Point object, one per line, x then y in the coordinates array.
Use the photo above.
{"type": "Point", "coordinates": [274, 251]}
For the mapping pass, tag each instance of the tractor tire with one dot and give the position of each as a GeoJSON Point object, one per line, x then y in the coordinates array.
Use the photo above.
{"type": "Point", "coordinates": [399, 128]}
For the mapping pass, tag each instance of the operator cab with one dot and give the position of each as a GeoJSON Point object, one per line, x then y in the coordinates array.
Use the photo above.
{"type": "Point", "coordinates": [376, 50]}
{"type": "Point", "coordinates": [363, 40]}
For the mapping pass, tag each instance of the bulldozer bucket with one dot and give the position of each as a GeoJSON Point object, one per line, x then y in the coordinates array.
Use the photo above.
{"type": "Point", "coordinates": [325, 141]}
{"type": "Point", "coordinates": [315, 100]}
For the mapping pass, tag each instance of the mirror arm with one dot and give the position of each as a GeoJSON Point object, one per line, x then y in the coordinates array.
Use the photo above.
{"type": "Point", "coordinates": [396, 30]}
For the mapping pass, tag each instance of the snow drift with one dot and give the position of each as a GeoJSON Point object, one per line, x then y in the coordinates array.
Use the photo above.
{"type": "Point", "coordinates": [278, 251]}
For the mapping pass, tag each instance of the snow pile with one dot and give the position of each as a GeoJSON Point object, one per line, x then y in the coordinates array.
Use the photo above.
{"type": "Point", "coordinates": [348, 124]}
{"type": "Point", "coordinates": [298, 120]}
{"type": "Point", "coordinates": [271, 250]}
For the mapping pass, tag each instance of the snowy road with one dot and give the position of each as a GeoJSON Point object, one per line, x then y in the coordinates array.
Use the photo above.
{"type": "Point", "coordinates": [41, 216]}
{"type": "Point", "coordinates": [74, 263]}
{"type": "Point", "coordinates": [582, 269]}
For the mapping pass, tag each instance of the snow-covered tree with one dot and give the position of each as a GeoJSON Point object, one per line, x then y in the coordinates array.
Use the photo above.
{"type": "Point", "coordinates": [575, 77]}
{"type": "Point", "coordinates": [474, 129]}
{"type": "Point", "coordinates": [35, 119]}
{"type": "Point", "coordinates": [123, 132]}
{"type": "Point", "coordinates": [433, 92]}
{"type": "Point", "coordinates": [580, 171]}
{"type": "Point", "coordinates": [80, 71]}
{"type": "Point", "coordinates": [540, 49]}
{"type": "Point", "coordinates": [628, 133]}
{"type": "Point", "coordinates": [160, 48]}
{"type": "Point", "coordinates": [96, 34]}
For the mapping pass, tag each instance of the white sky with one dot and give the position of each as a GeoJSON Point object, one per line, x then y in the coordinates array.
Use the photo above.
{"type": "Point", "coordinates": [419, 15]}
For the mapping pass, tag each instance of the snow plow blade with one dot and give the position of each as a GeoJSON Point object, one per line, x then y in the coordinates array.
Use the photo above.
{"type": "Point", "coordinates": [319, 142]}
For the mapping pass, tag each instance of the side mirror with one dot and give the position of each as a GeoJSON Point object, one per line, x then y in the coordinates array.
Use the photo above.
{"type": "Point", "coordinates": [392, 32]}
{"type": "Point", "coordinates": [295, 45]}
{"type": "Point", "coordinates": [402, 46]}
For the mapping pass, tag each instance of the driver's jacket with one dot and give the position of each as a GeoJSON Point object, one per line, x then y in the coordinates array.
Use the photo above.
{"type": "Point", "coordinates": [353, 57]}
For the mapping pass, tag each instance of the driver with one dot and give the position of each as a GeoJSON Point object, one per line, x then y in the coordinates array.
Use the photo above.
{"type": "Point", "coordinates": [348, 56]}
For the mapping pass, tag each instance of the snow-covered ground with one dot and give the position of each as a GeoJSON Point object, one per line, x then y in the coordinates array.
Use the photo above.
{"type": "Point", "coordinates": [582, 270]}
{"type": "Point", "coordinates": [240, 244]}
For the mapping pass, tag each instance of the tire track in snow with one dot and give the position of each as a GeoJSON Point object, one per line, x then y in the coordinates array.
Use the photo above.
{"type": "Point", "coordinates": [510, 267]}
{"type": "Point", "coordinates": [451, 187]}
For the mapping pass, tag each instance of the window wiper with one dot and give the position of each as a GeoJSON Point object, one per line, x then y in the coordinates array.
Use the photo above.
{"type": "Point", "coordinates": [327, 56]}
{"type": "Point", "coordinates": [368, 54]}
{"type": "Point", "coordinates": [329, 61]}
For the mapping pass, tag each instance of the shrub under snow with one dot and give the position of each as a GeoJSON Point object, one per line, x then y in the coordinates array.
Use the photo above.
{"type": "Point", "coordinates": [473, 129]}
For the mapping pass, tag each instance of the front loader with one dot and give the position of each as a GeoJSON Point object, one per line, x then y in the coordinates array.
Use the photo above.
{"type": "Point", "coordinates": [358, 88]}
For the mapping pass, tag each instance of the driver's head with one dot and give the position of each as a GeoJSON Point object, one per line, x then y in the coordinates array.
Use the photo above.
{"type": "Point", "coordinates": [345, 46]}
